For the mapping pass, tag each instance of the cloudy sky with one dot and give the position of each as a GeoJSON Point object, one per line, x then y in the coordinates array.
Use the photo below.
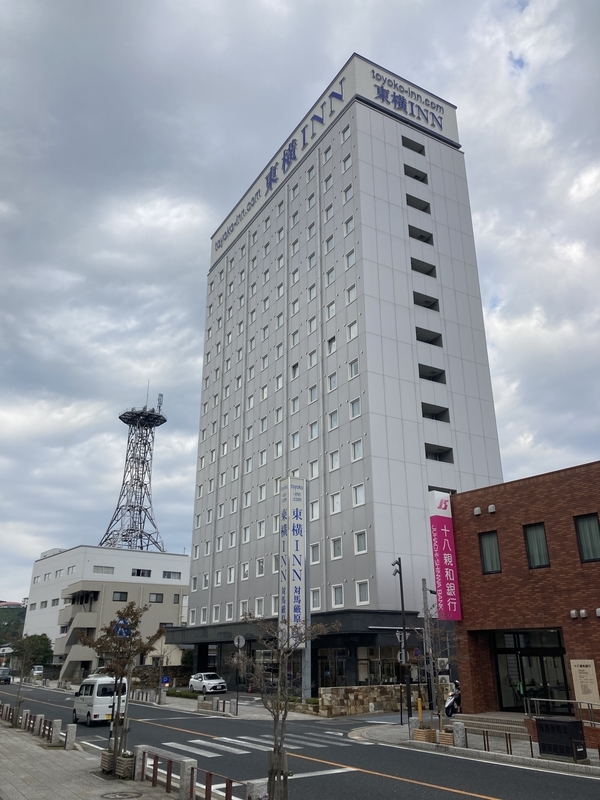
{"type": "Point", "coordinates": [128, 130]}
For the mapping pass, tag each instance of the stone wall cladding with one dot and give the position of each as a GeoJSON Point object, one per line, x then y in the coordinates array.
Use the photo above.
{"type": "Point", "coordinates": [521, 598]}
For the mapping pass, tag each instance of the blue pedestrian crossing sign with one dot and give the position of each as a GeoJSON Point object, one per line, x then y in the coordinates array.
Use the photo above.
{"type": "Point", "coordinates": [122, 628]}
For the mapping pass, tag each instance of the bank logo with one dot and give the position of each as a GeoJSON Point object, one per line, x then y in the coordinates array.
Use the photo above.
{"type": "Point", "coordinates": [443, 504]}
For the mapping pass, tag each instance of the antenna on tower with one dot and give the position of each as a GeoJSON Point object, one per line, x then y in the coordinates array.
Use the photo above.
{"type": "Point", "coordinates": [132, 525]}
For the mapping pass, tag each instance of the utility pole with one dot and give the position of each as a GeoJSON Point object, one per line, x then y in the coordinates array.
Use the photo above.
{"type": "Point", "coordinates": [428, 653]}
{"type": "Point", "coordinates": [398, 571]}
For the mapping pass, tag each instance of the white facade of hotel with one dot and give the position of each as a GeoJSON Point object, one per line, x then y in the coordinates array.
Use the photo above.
{"type": "Point", "coordinates": [345, 344]}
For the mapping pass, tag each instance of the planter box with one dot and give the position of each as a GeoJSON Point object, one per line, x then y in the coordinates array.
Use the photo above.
{"type": "Point", "coordinates": [446, 738]}
{"type": "Point", "coordinates": [124, 767]}
{"type": "Point", "coordinates": [424, 735]}
{"type": "Point", "coordinates": [106, 760]}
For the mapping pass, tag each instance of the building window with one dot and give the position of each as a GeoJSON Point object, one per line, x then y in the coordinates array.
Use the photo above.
{"type": "Point", "coordinates": [141, 573]}
{"type": "Point", "coordinates": [274, 605]}
{"type": "Point", "coordinates": [314, 510]}
{"type": "Point", "coordinates": [351, 294]}
{"type": "Point", "coordinates": [353, 368]}
{"type": "Point", "coordinates": [336, 548]}
{"type": "Point", "coordinates": [337, 596]}
{"type": "Point", "coordinates": [355, 408]}
{"type": "Point", "coordinates": [347, 163]}
{"type": "Point", "coordinates": [203, 615]}
{"type": "Point", "coordinates": [348, 192]}
{"type": "Point", "coordinates": [194, 583]}
{"type": "Point", "coordinates": [311, 201]}
{"type": "Point", "coordinates": [295, 370]}
{"type": "Point", "coordinates": [295, 247]}
{"type": "Point", "coordinates": [348, 226]}
{"type": "Point", "coordinates": [329, 244]}
{"type": "Point", "coordinates": [360, 542]}
{"type": "Point", "coordinates": [333, 420]}
{"type": "Point", "coordinates": [356, 450]}
{"type": "Point", "coordinates": [33, 606]}
{"type": "Point", "coordinates": [228, 612]}
{"type": "Point", "coordinates": [335, 505]}
{"type": "Point", "coordinates": [334, 460]}
{"type": "Point", "coordinates": [327, 154]}
{"type": "Point", "coordinates": [246, 533]}
{"type": "Point", "coordinates": [295, 440]}
{"type": "Point", "coordinates": [352, 331]}
{"type": "Point", "coordinates": [216, 616]}
{"type": "Point", "coordinates": [232, 538]}
{"type": "Point", "coordinates": [490, 553]}
{"type": "Point", "coordinates": [315, 553]}
{"type": "Point", "coordinates": [174, 576]}
{"type": "Point", "coordinates": [218, 577]}
{"type": "Point", "coordinates": [245, 571]}
{"type": "Point", "coordinates": [120, 597]}
{"type": "Point", "coordinates": [350, 259]}
{"type": "Point", "coordinates": [313, 470]}
{"type": "Point", "coordinates": [295, 218]}
{"type": "Point", "coordinates": [192, 616]}
{"type": "Point", "coordinates": [358, 495]}
{"type": "Point", "coordinates": [243, 608]}
{"type": "Point", "coordinates": [328, 183]}
{"type": "Point", "coordinates": [176, 599]}
{"type": "Point", "coordinates": [98, 569]}
{"type": "Point", "coordinates": [260, 529]}
{"type": "Point", "coordinates": [362, 593]}
{"type": "Point", "coordinates": [315, 599]}
{"type": "Point", "coordinates": [294, 405]}
{"type": "Point", "coordinates": [278, 452]}
{"type": "Point", "coordinates": [155, 597]}
{"type": "Point", "coordinates": [294, 191]}
{"type": "Point", "coordinates": [588, 537]}
{"type": "Point", "coordinates": [536, 546]}
{"type": "Point", "coordinates": [260, 567]}
{"type": "Point", "coordinates": [295, 307]}
{"type": "Point", "coordinates": [331, 346]}
{"type": "Point", "coordinates": [205, 580]}
{"type": "Point", "coordinates": [312, 358]}
{"type": "Point", "coordinates": [312, 292]}
{"type": "Point", "coordinates": [312, 394]}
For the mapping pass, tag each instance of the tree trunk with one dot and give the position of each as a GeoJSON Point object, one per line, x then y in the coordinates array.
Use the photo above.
{"type": "Point", "coordinates": [277, 775]}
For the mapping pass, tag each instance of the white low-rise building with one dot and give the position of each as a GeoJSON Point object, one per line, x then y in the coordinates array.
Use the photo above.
{"type": "Point", "coordinates": [83, 588]}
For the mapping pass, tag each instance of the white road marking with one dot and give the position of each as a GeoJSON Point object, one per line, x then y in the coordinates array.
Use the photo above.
{"type": "Point", "coordinates": [251, 744]}
{"type": "Point", "coordinates": [322, 772]}
{"type": "Point", "coordinates": [224, 747]}
{"type": "Point", "coordinates": [188, 749]}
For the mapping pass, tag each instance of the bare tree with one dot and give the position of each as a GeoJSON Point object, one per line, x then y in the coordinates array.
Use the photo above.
{"type": "Point", "coordinates": [121, 644]}
{"type": "Point", "coordinates": [30, 650]}
{"type": "Point", "coordinates": [274, 680]}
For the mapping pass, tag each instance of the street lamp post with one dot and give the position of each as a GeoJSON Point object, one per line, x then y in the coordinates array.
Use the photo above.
{"type": "Point", "coordinates": [398, 571]}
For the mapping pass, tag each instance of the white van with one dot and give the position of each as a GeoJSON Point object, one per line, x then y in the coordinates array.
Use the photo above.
{"type": "Point", "coordinates": [95, 698]}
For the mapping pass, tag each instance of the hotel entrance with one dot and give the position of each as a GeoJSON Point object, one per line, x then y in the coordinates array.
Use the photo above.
{"type": "Point", "coordinates": [531, 664]}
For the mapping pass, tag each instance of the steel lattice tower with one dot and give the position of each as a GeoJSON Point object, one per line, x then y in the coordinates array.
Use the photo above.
{"type": "Point", "coordinates": [132, 525]}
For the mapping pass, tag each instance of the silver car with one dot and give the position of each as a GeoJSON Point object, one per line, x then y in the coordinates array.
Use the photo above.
{"type": "Point", "coordinates": [207, 682]}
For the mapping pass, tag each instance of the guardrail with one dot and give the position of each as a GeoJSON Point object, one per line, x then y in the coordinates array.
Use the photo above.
{"type": "Point", "coordinates": [159, 765]}
{"type": "Point", "coordinates": [543, 706]}
{"type": "Point", "coordinates": [508, 738]}
{"type": "Point", "coordinates": [38, 725]}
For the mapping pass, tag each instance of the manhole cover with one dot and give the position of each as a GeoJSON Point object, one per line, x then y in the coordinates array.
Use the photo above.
{"type": "Point", "coordinates": [121, 795]}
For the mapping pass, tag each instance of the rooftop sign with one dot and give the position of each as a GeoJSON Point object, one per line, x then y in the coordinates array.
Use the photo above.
{"type": "Point", "coordinates": [359, 78]}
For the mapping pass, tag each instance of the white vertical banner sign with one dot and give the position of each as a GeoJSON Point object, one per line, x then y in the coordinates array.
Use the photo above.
{"type": "Point", "coordinates": [292, 553]}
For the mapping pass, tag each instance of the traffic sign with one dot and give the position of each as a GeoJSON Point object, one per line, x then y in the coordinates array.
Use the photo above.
{"type": "Point", "coordinates": [239, 642]}
{"type": "Point", "coordinates": [417, 652]}
{"type": "Point", "coordinates": [165, 679]}
{"type": "Point", "coordinates": [122, 629]}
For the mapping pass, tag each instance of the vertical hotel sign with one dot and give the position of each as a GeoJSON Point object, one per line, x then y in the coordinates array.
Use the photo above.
{"type": "Point", "coordinates": [292, 552]}
{"type": "Point", "coordinates": [444, 556]}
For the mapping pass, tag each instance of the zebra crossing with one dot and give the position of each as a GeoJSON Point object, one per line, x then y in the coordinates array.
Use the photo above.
{"type": "Point", "coordinates": [218, 746]}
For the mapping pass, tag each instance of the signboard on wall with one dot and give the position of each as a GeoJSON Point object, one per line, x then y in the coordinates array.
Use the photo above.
{"type": "Point", "coordinates": [444, 556]}
{"type": "Point", "coordinates": [292, 552]}
{"type": "Point", "coordinates": [585, 682]}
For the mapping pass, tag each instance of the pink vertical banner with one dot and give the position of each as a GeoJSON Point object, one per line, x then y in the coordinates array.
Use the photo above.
{"type": "Point", "coordinates": [444, 556]}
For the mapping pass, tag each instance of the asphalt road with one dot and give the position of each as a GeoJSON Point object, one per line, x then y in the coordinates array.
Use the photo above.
{"type": "Point", "coordinates": [326, 763]}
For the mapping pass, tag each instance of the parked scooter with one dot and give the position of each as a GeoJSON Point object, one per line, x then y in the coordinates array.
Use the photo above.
{"type": "Point", "coordinates": [452, 705]}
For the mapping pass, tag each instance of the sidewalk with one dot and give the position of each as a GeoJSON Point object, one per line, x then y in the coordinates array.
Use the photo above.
{"type": "Point", "coordinates": [30, 770]}
{"type": "Point", "coordinates": [396, 734]}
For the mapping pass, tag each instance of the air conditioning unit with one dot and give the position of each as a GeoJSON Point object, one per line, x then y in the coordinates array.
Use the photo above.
{"type": "Point", "coordinates": [443, 679]}
{"type": "Point", "coordinates": [442, 664]}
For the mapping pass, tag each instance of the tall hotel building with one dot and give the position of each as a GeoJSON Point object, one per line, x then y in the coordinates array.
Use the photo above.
{"type": "Point", "coordinates": [344, 344]}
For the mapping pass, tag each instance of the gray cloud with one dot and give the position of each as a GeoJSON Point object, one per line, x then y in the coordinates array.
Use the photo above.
{"type": "Point", "coordinates": [131, 129]}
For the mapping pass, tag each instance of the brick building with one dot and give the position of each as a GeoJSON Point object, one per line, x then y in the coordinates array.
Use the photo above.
{"type": "Point", "coordinates": [528, 556]}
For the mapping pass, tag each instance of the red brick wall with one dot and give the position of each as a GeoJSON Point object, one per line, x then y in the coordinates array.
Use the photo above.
{"type": "Point", "coordinates": [519, 597]}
